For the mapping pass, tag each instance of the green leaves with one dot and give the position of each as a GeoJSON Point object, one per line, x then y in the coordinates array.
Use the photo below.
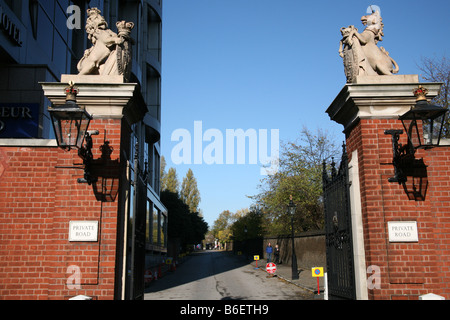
{"type": "Point", "coordinates": [185, 221]}
{"type": "Point", "coordinates": [299, 175]}
{"type": "Point", "coordinates": [189, 192]}
{"type": "Point", "coordinates": [189, 227]}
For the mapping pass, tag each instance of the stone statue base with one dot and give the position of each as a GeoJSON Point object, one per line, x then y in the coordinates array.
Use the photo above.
{"type": "Point", "coordinates": [104, 97]}
{"type": "Point", "coordinates": [77, 78]}
{"type": "Point", "coordinates": [379, 96]}
{"type": "Point", "coordinates": [379, 79]}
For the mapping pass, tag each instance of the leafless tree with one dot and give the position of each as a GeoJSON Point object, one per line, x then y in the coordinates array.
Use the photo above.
{"type": "Point", "coordinates": [438, 70]}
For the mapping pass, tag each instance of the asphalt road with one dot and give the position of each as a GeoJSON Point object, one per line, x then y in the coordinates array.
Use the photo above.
{"type": "Point", "coordinates": [215, 275]}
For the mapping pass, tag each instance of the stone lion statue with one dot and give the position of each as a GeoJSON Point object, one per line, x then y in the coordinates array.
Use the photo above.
{"type": "Point", "coordinates": [360, 52]}
{"type": "Point", "coordinates": [110, 53]}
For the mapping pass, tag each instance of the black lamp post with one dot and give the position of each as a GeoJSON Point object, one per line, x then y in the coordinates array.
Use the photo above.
{"type": "Point", "coordinates": [70, 121]}
{"type": "Point", "coordinates": [291, 210]}
{"type": "Point", "coordinates": [245, 241]}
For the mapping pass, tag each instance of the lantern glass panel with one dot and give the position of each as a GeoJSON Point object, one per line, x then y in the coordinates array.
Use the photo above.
{"type": "Point", "coordinates": [423, 124]}
{"type": "Point", "coordinates": [432, 130]}
{"type": "Point", "coordinates": [292, 208]}
{"type": "Point", "coordinates": [413, 131]}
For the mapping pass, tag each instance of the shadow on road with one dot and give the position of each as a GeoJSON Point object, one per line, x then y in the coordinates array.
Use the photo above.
{"type": "Point", "coordinates": [198, 266]}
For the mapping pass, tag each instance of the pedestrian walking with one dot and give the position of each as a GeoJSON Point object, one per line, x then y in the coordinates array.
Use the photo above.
{"type": "Point", "coordinates": [269, 251]}
{"type": "Point", "coordinates": [277, 254]}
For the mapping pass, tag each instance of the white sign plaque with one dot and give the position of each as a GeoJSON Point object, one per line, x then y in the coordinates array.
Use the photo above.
{"type": "Point", "coordinates": [403, 231]}
{"type": "Point", "coordinates": [83, 230]}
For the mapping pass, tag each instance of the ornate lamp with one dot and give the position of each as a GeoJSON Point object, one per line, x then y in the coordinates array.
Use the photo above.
{"type": "Point", "coordinates": [427, 116]}
{"type": "Point", "coordinates": [291, 207]}
{"type": "Point", "coordinates": [424, 126]}
{"type": "Point", "coordinates": [291, 210]}
{"type": "Point", "coordinates": [70, 121]}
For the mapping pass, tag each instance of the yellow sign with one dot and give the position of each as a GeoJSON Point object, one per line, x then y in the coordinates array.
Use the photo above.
{"type": "Point", "coordinates": [169, 261]}
{"type": "Point", "coordinates": [317, 272]}
{"type": "Point", "coordinates": [256, 258]}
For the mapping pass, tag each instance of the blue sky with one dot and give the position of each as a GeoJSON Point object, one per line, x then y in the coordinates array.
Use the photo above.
{"type": "Point", "coordinates": [264, 64]}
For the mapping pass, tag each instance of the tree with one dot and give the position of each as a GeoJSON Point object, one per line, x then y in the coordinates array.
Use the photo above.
{"type": "Point", "coordinates": [178, 213]}
{"type": "Point", "coordinates": [189, 191]}
{"type": "Point", "coordinates": [438, 70]}
{"type": "Point", "coordinates": [222, 222]}
{"type": "Point", "coordinates": [250, 220]}
{"type": "Point", "coordinates": [299, 175]}
{"type": "Point", "coordinates": [186, 225]}
{"type": "Point", "coordinates": [221, 227]}
{"type": "Point", "coordinates": [163, 174]}
{"type": "Point", "coordinates": [199, 228]}
{"type": "Point", "coordinates": [183, 224]}
{"type": "Point", "coordinates": [171, 183]}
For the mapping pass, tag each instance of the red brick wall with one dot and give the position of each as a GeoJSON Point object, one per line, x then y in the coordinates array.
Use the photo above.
{"type": "Point", "coordinates": [37, 201]}
{"type": "Point", "coordinates": [407, 269]}
{"type": "Point", "coordinates": [438, 161]}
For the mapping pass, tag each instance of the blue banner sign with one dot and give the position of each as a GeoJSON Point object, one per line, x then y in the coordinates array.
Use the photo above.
{"type": "Point", "coordinates": [19, 120]}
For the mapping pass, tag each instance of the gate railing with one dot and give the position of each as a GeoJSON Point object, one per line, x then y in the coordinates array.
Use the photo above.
{"type": "Point", "coordinates": [339, 246]}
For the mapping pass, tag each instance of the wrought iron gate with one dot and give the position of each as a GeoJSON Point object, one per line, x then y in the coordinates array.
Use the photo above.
{"type": "Point", "coordinates": [339, 246]}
